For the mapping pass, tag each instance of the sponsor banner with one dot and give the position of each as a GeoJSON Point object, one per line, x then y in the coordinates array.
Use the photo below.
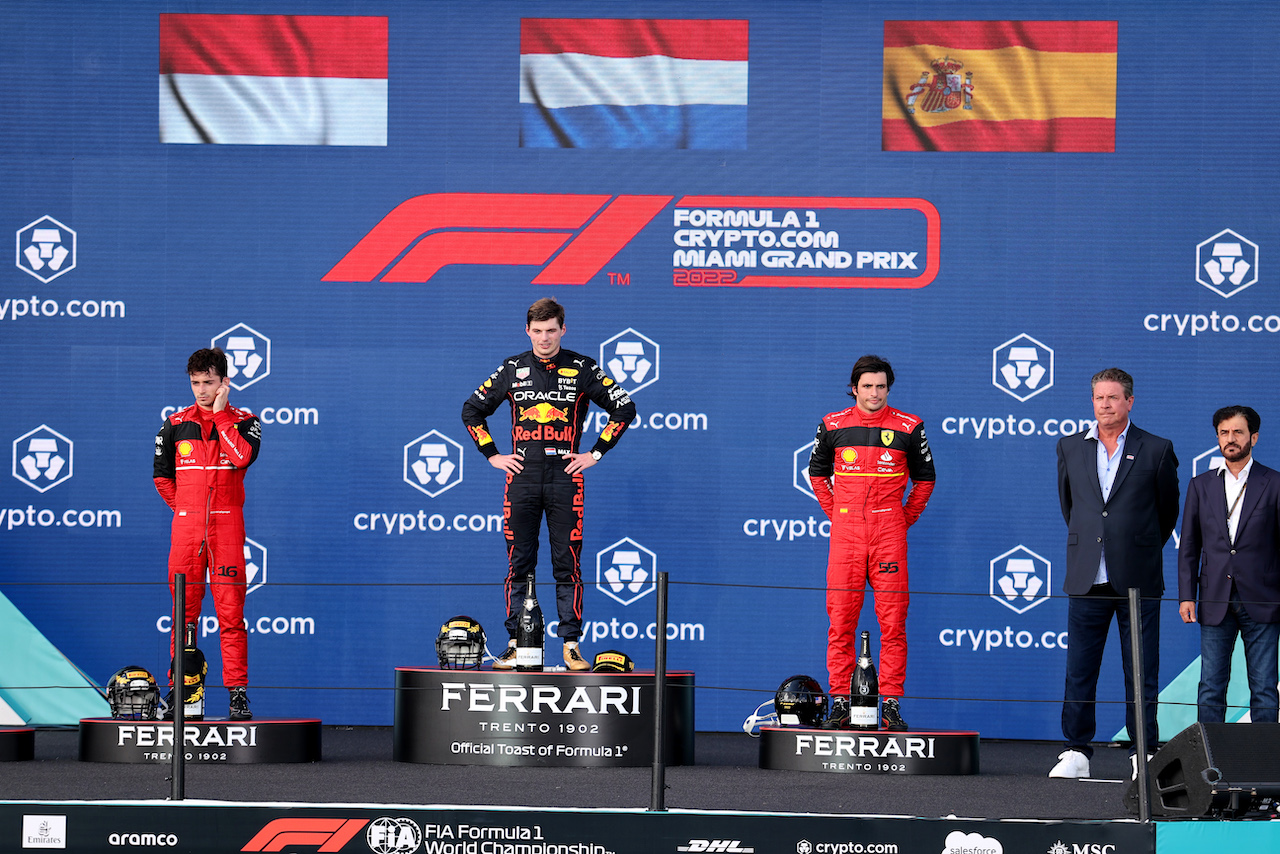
{"type": "Point", "coordinates": [306, 828]}
{"type": "Point", "coordinates": [206, 742]}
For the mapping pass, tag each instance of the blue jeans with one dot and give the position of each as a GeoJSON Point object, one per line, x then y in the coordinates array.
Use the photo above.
{"type": "Point", "coordinates": [1088, 622]}
{"type": "Point", "coordinates": [1218, 643]}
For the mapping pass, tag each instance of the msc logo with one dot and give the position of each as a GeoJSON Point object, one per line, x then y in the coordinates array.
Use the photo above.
{"type": "Point", "coordinates": [800, 469]}
{"type": "Point", "coordinates": [1210, 460]}
{"type": "Point", "coordinates": [323, 834]}
{"type": "Point", "coordinates": [626, 571]}
{"type": "Point", "coordinates": [46, 249]}
{"type": "Point", "coordinates": [393, 836]}
{"type": "Point", "coordinates": [1020, 579]}
{"type": "Point", "coordinates": [433, 463]}
{"type": "Point", "coordinates": [631, 359]}
{"type": "Point", "coordinates": [1022, 367]}
{"type": "Point", "coordinates": [42, 458]}
{"type": "Point", "coordinates": [1227, 263]}
{"type": "Point", "coordinates": [248, 355]}
{"type": "Point", "coordinates": [1061, 847]}
{"type": "Point", "coordinates": [255, 565]}
{"type": "Point", "coordinates": [733, 846]}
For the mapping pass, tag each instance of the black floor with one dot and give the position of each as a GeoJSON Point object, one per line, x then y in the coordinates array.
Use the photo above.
{"type": "Point", "coordinates": [357, 769]}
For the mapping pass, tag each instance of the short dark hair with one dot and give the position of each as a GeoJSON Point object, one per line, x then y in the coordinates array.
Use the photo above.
{"type": "Point", "coordinates": [208, 360]}
{"type": "Point", "coordinates": [869, 364]}
{"type": "Point", "coordinates": [1113, 375]}
{"type": "Point", "coordinates": [545, 309]}
{"type": "Point", "coordinates": [1251, 417]}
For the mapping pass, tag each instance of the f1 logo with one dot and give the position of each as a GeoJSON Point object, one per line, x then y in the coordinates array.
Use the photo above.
{"type": "Point", "coordinates": [323, 834]}
{"type": "Point", "coordinates": [498, 228]}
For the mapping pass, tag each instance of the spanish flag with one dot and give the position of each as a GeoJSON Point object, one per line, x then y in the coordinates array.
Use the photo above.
{"type": "Point", "coordinates": [999, 86]}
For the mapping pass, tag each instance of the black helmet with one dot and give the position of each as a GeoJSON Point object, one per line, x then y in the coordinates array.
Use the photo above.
{"type": "Point", "coordinates": [133, 694]}
{"type": "Point", "coordinates": [460, 644]}
{"type": "Point", "coordinates": [800, 701]}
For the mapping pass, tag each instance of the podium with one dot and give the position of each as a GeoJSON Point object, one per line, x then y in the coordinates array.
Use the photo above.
{"type": "Point", "coordinates": [557, 719]}
{"type": "Point", "coordinates": [207, 742]}
{"type": "Point", "coordinates": [17, 745]}
{"type": "Point", "coordinates": [868, 751]}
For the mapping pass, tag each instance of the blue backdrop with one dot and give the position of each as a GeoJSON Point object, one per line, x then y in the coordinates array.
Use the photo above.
{"type": "Point", "coordinates": [1003, 282]}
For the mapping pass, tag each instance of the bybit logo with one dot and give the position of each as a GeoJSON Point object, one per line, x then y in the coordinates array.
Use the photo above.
{"type": "Point", "coordinates": [433, 463]}
{"type": "Point", "coordinates": [626, 571]}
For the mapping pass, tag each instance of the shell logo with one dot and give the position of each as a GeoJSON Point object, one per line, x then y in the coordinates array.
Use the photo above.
{"type": "Point", "coordinates": [185, 448]}
{"type": "Point", "coordinates": [848, 455]}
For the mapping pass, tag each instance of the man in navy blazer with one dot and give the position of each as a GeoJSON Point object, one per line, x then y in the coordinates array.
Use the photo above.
{"type": "Point", "coordinates": [1118, 486]}
{"type": "Point", "coordinates": [1230, 559]}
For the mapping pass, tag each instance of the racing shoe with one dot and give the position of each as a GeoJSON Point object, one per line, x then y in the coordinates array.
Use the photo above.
{"type": "Point", "coordinates": [240, 705]}
{"type": "Point", "coordinates": [890, 716]}
{"type": "Point", "coordinates": [506, 661]}
{"type": "Point", "coordinates": [573, 657]}
{"type": "Point", "coordinates": [838, 717]}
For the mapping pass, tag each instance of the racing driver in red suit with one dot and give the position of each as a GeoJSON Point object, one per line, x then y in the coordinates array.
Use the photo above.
{"type": "Point", "coordinates": [201, 456]}
{"type": "Point", "coordinates": [870, 449]}
{"type": "Point", "coordinates": [549, 390]}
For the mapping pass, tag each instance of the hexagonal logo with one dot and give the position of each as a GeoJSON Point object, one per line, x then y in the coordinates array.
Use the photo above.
{"type": "Point", "coordinates": [1021, 579]}
{"type": "Point", "coordinates": [433, 463]}
{"type": "Point", "coordinates": [1227, 263]}
{"type": "Point", "coordinates": [631, 359]}
{"type": "Point", "coordinates": [255, 565]}
{"type": "Point", "coordinates": [800, 469]}
{"type": "Point", "coordinates": [46, 249]}
{"type": "Point", "coordinates": [43, 458]}
{"type": "Point", "coordinates": [626, 571]}
{"type": "Point", "coordinates": [1022, 367]}
{"type": "Point", "coordinates": [1210, 460]}
{"type": "Point", "coordinates": [248, 354]}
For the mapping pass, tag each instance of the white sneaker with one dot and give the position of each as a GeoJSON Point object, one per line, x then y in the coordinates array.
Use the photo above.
{"type": "Point", "coordinates": [1071, 764]}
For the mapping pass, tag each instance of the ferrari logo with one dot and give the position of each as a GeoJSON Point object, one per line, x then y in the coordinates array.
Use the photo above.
{"type": "Point", "coordinates": [886, 437]}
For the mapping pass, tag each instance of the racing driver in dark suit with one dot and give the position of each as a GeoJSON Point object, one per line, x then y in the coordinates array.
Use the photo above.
{"type": "Point", "coordinates": [870, 450]}
{"type": "Point", "coordinates": [549, 390]}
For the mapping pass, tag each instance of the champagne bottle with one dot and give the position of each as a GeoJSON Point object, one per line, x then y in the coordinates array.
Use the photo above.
{"type": "Point", "coordinates": [196, 667]}
{"type": "Point", "coordinates": [529, 635]}
{"type": "Point", "coordinates": [864, 690]}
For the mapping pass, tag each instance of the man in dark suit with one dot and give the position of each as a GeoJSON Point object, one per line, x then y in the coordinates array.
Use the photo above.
{"type": "Point", "coordinates": [1118, 486]}
{"type": "Point", "coordinates": [1230, 558]}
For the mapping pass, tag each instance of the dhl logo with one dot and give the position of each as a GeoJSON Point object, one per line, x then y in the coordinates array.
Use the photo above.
{"type": "Point", "coordinates": [543, 413]}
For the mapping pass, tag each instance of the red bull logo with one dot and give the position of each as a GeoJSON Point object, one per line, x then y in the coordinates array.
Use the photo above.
{"type": "Point", "coordinates": [613, 428]}
{"type": "Point", "coordinates": [543, 413]}
{"type": "Point", "coordinates": [543, 433]}
{"type": "Point", "coordinates": [481, 435]}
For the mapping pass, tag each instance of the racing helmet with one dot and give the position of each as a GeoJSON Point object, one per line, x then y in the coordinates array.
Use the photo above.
{"type": "Point", "coordinates": [800, 701]}
{"type": "Point", "coordinates": [460, 644]}
{"type": "Point", "coordinates": [133, 695]}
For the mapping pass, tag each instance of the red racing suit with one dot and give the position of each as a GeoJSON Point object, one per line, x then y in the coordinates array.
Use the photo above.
{"type": "Point", "coordinates": [870, 458]}
{"type": "Point", "coordinates": [199, 465]}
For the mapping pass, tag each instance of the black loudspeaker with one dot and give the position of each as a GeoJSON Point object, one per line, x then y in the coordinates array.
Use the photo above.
{"type": "Point", "coordinates": [1213, 769]}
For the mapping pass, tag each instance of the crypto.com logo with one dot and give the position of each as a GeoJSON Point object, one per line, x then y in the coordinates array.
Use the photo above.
{"type": "Point", "coordinates": [433, 463]}
{"type": "Point", "coordinates": [46, 249]}
{"type": "Point", "coordinates": [631, 359]}
{"type": "Point", "coordinates": [255, 565]}
{"type": "Point", "coordinates": [800, 469]}
{"type": "Point", "coordinates": [1210, 460]}
{"type": "Point", "coordinates": [323, 834]}
{"type": "Point", "coordinates": [248, 354]}
{"type": "Point", "coordinates": [572, 237]}
{"type": "Point", "coordinates": [1227, 263]}
{"type": "Point", "coordinates": [1021, 579]}
{"type": "Point", "coordinates": [626, 571]}
{"type": "Point", "coordinates": [1022, 367]}
{"type": "Point", "coordinates": [42, 458]}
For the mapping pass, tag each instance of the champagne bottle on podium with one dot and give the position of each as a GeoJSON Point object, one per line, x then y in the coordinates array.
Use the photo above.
{"type": "Point", "coordinates": [530, 634]}
{"type": "Point", "coordinates": [864, 690]}
{"type": "Point", "coordinates": [193, 680]}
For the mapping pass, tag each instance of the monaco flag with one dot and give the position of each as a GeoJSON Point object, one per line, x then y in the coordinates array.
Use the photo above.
{"type": "Point", "coordinates": [633, 83]}
{"type": "Point", "coordinates": [273, 79]}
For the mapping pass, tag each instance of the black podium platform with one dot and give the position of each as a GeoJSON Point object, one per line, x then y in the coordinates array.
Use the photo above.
{"type": "Point", "coordinates": [207, 742]}
{"type": "Point", "coordinates": [17, 745]}
{"type": "Point", "coordinates": [563, 719]}
{"type": "Point", "coordinates": [868, 751]}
